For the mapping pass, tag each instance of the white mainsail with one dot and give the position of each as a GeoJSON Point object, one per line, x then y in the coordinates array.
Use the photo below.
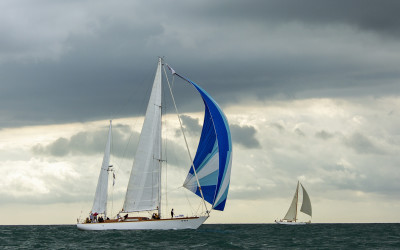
{"type": "Point", "coordinates": [100, 198]}
{"type": "Point", "coordinates": [292, 212]}
{"type": "Point", "coordinates": [306, 206]}
{"type": "Point", "coordinates": [143, 192]}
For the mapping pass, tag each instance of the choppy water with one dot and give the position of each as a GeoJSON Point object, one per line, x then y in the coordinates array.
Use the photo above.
{"type": "Point", "coordinates": [228, 236]}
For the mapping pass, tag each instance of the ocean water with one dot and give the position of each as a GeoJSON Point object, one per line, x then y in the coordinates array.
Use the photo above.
{"type": "Point", "coordinates": [218, 236]}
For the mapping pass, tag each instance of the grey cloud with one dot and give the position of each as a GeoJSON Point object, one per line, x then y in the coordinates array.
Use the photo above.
{"type": "Point", "coordinates": [124, 144]}
{"type": "Point", "coordinates": [363, 14]}
{"type": "Point", "coordinates": [362, 144]}
{"type": "Point", "coordinates": [323, 135]}
{"type": "Point", "coordinates": [244, 136]}
{"type": "Point", "coordinates": [278, 126]}
{"type": "Point", "coordinates": [89, 61]}
{"type": "Point", "coordinates": [89, 143]}
{"type": "Point", "coordinates": [190, 125]}
{"type": "Point", "coordinates": [299, 132]}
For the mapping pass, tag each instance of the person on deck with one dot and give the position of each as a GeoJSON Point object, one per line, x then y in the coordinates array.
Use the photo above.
{"type": "Point", "coordinates": [172, 213]}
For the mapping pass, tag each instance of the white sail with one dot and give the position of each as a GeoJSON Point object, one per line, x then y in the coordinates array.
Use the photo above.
{"type": "Point", "coordinates": [292, 212]}
{"type": "Point", "coordinates": [143, 192]}
{"type": "Point", "coordinates": [100, 198]}
{"type": "Point", "coordinates": [306, 206]}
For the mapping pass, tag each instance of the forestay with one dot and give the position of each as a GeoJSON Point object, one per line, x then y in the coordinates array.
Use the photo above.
{"type": "Point", "coordinates": [100, 197]}
{"type": "Point", "coordinates": [213, 159]}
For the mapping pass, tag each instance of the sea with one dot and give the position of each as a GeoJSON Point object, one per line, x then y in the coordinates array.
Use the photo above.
{"type": "Point", "coordinates": [208, 236]}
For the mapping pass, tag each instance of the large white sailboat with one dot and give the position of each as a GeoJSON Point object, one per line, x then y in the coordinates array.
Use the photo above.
{"type": "Point", "coordinates": [291, 215]}
{"type": "Point", "coordinates": [208, 176]}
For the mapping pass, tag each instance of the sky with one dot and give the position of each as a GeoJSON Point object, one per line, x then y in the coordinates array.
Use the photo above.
{"type": "Point", "coordinates": [310, 89]}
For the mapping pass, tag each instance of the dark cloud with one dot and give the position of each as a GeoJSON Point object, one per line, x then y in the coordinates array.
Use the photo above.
{"type": "Point", "coordinates": [244, 136]}
{"type": "Point", "coordinates": [71, 61]}
{"type": "Point", "coordinates": [364, 14]}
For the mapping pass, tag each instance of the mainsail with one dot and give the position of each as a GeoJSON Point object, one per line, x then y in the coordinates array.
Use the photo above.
{"type": "Point", "coordinates": [143, 192]}
{"type": "Point", "coordinates": [213, 159]}
{"type": "Point", "coordinates": [306, 206]}
{"type": "Point", "coordinates": [100, 197]}
{"type": "Point", "coordinates": [292, 212]}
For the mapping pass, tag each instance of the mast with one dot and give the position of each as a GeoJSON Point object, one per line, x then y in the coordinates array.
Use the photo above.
{"type": "Point", "coordinates": [297, 200]}
{"type": "Point", "coordinates": [160, 145]}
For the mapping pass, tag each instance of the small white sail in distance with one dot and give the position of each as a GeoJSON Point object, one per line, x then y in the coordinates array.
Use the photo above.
{"type": "Point", "coordinates": [306, 208]}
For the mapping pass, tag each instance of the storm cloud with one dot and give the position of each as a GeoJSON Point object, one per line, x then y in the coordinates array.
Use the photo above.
{"type": "Point", "coordinates": [82, 61]}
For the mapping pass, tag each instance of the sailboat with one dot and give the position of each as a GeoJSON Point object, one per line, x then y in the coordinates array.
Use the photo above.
{"type": "Point", "coordinates": [208, 176]}
{"type": "Point", "coordinates": [291, 215]}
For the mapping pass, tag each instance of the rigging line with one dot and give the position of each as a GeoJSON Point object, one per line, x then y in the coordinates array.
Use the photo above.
{"type": "Point", "coordinates": [147, 77]}
{"type": "Point", "coordinates": [111, 150]}
{"type": "Point", "coordinates": [112, 196]}
{"type": "Point", "coordinates": [121, 163]}
{"type": "Point", "coordinates": [187, 146]}
{"type": "Point", "coordinates": [187, 198]}
{"type": "Point", "coordinates": [198, 208]}
{"type": "Point", "coordinates": [165, 153]}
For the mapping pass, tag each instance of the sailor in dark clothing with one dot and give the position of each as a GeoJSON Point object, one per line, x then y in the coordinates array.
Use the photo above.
{"type": "Point", "coordinates": [172, 213]}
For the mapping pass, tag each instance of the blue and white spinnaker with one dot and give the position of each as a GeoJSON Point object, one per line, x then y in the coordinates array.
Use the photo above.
{"type": "Point", "coordinates": [213, 158]}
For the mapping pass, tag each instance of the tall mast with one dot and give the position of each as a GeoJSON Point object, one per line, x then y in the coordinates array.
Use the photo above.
{"type": "Point", "coordinates": [160, 160]}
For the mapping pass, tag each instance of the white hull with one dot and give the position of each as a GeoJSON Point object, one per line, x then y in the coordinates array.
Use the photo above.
{"type": "Point", "coordinates": [291, 223]}
{"type": "Point", "coordinates": [163, 224]}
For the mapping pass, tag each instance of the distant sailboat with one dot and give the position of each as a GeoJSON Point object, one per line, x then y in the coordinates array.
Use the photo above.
{"type": "Point", "coordinates": [208, 177]}
{"type": "Point", "coordinates": [291, 215]}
